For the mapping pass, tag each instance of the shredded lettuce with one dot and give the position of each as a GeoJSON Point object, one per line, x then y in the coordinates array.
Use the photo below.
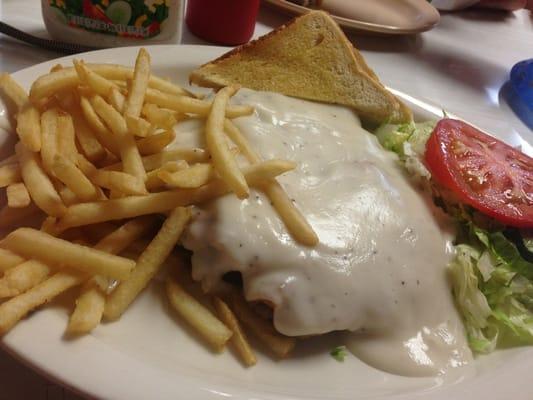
{"type": "Point", "coordinates": [492, 272]}
{"type": "Point", "coordinates": [471, 302]}
{"type": "Point", "coordinates": [409, 142]}
{"type": "Point", "coordinates": [339, 353]}
{"type": "Point", "coordinates": [528, 243]}
{"type": "Point", "coordinates": [496, 271]}
{"type": "Point", "coordinates": [392, 137]}
{"type": "Point", "coordinates": [396, 137]}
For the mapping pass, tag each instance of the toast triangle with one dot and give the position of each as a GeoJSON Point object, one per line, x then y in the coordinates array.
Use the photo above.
{"type": "Point", "coordinates": [310, 58]}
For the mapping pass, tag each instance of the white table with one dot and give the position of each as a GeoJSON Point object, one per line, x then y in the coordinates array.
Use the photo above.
{"type": "Point", "coordinates": [460, 65]}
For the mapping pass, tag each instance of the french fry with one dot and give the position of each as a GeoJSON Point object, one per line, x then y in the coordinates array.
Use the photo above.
{"type": "Point", "coordinates": [123, 236]}
{"type": "Point", "coordinates": [293, 219]}
{"type": "Point", "coordinates": [8, 260]}
{"type": "Point", "coordinates": [13, 90]}
{"type": "Point", "coordinates": [198, 316]}
{"type": "Point", "coordinates": [240, 141]}
{"type": "Point", "coordinates": [41, 189]}
{"type": "Point", "coordinates": [16, 308]}
{"type": "Point", "coordinates": [224, 163]}
{"type": "Point", "coordinates": [46, 103]}
{"type": "Point", "coordinates": [49, 144]}
{"type": "Point", "coordinates": [89, 144]}
{"type": "Point", "coordinates": [119, 181]}
{"type": "Point", "coordinates": [191, 155]}
{"type": "Point", "coordinates": [238, 339]}
{"type": "Point", "coordinates": [131, 159]}
{"type": "Point", "coordinates": [122, 84]}
{"type": "Point", "coordinates": [118, 239]}
{"type": "Point", "coordinates": [148, 264]}
{"type": "Point", "coordinates": [86, 166]}
{"type": "Point", "coordinates": [67, 196]}
{"type": "Point", "coordinates": [12, 159]}
{"type": "Point", "coordinates": [51, 227]}
{"type": "Point", "coordinates": [67, 79]}
{"type": "Point", "coordinates": [193, 177]}
{"type": "Point", "coordinates": [166, 86]}
{"type": "Point", "coordinates": [113, 180]}
{"type": "Point", "coordinates": [256, 174]}
{"type": "Point", "coordinates": [160, 117]}
{"type": "Point", "coordinates": [134, 206]}
{"type": "Point", "coordinates": [141, 76]}
{"type": "Point", "coordinates": [103, 135]}
{"type": "Point", "coordinates": [18, 196]}
{"type": "Point", "coordinates": [85, 91]}
{"type": "Point", "coordinates": [139, 127]}
{"type": "Point", "coordinates": [190, 105]}
{"type": "Point", "coordinates": [110, 116]}
{"type": "Point", "coordinates": [68, 173]}
{"type": "Point", "coordinates": [154, 182]}
{"type": "Point", "coordinates": [154, 161]}
{"type": "Point", "coordinates": [23, 277]}
{"type": "Point", "coordinates": [66, 138]}
{"type": "Point", "coordinates": [10, 174]}
{"type": "Point", "coordinates": [280, 345]}
{"type": "Point", "coordinates": [29, 127]}
{"type": "Point", "coordinates": [117, 100]}
{"type": "Point", "coordinates": [109, 160]}
{"type": "Point", "coordinates": [67, 99]}
{"type": "Point", "coordinates": [91, 303]}
{"type": "Point", "coordinates": [57, 81]}
{"type": "Point", "coordinates": [10, 217]}
{"type": "Point", "coordinates": [154, 144]}
{"type": "Point", "coordinates": [89, 310]}
{"type": "Point", "coordinates": [39, 245]}
{"type": "Point", "coordinates": [57, 67]}
{"type": "Point", "coordinates": [97, 83]}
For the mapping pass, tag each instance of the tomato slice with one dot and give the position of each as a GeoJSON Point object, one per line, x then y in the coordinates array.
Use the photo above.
{"type": "Point", "coordinates": [482, 171]}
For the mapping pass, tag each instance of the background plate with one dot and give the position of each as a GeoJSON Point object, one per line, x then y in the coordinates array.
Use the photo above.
{"type": "Point", "coordinates": [148, 353]}
{"type": "Point", "coordinates": [418, 24]}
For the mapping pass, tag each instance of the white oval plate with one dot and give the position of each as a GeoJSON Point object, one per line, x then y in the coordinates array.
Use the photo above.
{"type": "Point", "coordinates": [149, 353]}
{"type": "Point", "coordinates": [424, 18]}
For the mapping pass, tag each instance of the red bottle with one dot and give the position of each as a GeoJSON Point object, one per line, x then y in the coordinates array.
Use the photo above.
{"type": "Point", "coordinates": [228, 22]}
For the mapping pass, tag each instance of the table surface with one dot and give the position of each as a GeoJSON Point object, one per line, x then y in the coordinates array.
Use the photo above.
{"type": "Point", "coordinates": [461, 65]}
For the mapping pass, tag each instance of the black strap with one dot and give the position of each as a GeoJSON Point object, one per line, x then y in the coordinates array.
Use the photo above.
{"type": "Point", "coordinates": [54, 45]}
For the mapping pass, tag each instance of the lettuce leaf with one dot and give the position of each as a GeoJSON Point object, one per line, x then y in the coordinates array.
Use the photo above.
{"type": "Point", "coordinates": [507, 253]}
{"type": "Point", "coordinates": [470, 301]}
{"type": "Point", "coordinates": [493, 291]}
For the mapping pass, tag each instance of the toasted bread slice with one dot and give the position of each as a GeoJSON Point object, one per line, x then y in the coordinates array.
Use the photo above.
{"type": "Point", "coordinates": [310, 58]}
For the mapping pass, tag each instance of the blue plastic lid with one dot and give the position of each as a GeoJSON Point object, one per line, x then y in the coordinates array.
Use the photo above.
{"type": "Point", "coordinates": [521, 96]}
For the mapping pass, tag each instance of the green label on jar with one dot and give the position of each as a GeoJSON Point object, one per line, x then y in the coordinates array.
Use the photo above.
{"type": "Point", "coordinates": [127, 18]}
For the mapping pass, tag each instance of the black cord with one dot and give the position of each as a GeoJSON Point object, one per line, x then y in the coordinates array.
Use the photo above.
{"type": "Point", "coordinates": [54, 45]}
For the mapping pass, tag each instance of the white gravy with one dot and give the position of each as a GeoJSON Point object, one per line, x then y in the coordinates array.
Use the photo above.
{"type": "Point", "coordinates": [379, 270]}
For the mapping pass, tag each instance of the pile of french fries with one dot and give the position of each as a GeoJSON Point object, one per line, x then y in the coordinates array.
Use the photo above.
{"type": "Point", "coordinates": [91, 177]}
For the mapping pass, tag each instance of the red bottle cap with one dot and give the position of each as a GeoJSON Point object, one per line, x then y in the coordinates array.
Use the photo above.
{"type": "Point", "coordinates": [228, 22]}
